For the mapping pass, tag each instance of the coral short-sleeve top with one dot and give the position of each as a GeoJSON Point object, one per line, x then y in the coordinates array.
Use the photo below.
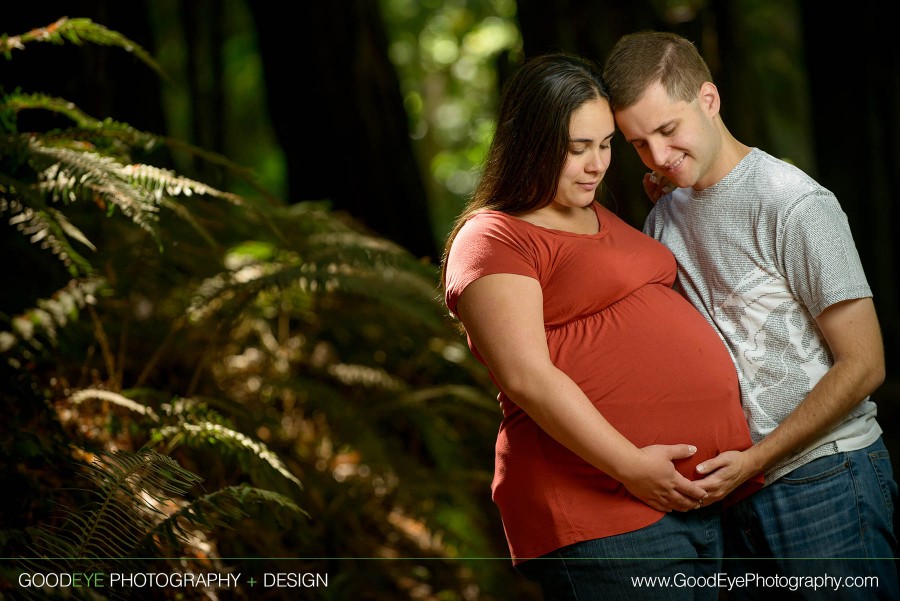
{"type": "Point", "coordinates": [641, 353]}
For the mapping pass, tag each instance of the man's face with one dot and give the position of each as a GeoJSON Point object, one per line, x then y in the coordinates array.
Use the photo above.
{"type": "Point", "coordinates": [676, 139]}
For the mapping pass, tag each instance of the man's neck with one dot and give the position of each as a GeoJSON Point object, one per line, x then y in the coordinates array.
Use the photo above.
{"type": "Point", "coordinates": [731, 152]}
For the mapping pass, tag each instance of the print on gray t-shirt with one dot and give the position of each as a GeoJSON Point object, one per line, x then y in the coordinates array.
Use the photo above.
{"type": "Point", "coordinates": [761, 253]}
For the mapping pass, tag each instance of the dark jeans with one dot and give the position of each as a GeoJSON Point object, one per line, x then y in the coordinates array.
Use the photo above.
{"type": "Point", "coordinates": [675, 559]}
{"type": "Point", "coordinates": [831, 517]}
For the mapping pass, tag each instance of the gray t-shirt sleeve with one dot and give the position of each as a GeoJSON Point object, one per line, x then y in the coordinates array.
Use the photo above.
{"type": "Point", "coordinates": [821, 262]}
{"type": "Point", "coordinates": [650, 223]}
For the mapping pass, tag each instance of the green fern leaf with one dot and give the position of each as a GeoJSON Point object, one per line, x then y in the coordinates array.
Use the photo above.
{"type": "Point", "coordinates": [77, 31]}
{"type": "Point", "coordinates": [200, 435]}
{"type": "Point", "coordinates": [129, 492]}
{"type": "Point", "coordinates": [115, 398]}
{"type": "Point", "coordinates": [220, 509]}
{"type": "Point", "coordinates": [48, 228]}
{"type": "Point", "coordinates": [74, 174]}
{"type": "Point", "coordinates": [42, 321]}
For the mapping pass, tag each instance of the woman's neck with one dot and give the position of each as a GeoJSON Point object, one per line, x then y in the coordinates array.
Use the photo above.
{"type": "Point", "coordinates": [576, 220]}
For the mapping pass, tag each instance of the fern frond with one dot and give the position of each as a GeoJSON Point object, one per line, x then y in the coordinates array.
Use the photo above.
{"type": "Point", "coordinates": [77, 31]}
{"type": "Point", "coordinates": [43, 320]}
{"type": "Point", "coordinates": [99, 132]}
{"type": "Point", "coordinates": [17, 101]}
{"type": "Point", "coordinates": [74, 174]}
{"type": "Point", "coordinates": [321, 273]}
{"type": "Point", "coordinates": [237, 287]}
{"type": "Point", "coordinates": [115, 398]}
{"type": "Point", "coordinates": [218, 509]}
{"type": "Point", "coordinates": [130, 492]}
{"type": "Point", "coordinates": [161, 182]}
{"type": "Point", "coordinates": [137, 190]}
{"type": "Point", "coordinates": [246, 449]}
{"type": "Point", "coordinates": [365, 376]}
{"type": "Point", "coordinates": [48, 228]}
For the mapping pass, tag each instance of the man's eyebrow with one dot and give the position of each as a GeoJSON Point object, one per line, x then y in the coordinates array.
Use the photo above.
{"type": "Point", "coordinates": [660, 128]}
{"type": "Point", "coordinates": [666, 125]}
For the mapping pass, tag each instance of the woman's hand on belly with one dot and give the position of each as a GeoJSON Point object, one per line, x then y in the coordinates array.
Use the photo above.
{"type": "Point", "coordinates": [655, 481]}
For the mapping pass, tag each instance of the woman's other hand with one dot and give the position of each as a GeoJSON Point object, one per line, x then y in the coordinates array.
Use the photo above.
{"type": "Point", "coordinates": [655, 481]}
{"type": "Point", "coordinates": [656, 186]}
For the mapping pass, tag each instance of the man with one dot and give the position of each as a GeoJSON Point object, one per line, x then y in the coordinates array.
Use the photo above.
{"type": "Point", "coordinates": [766, 254]}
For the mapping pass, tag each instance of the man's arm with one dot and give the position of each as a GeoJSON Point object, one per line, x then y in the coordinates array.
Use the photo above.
{"type": "Point", "coordinates": [852, 332]}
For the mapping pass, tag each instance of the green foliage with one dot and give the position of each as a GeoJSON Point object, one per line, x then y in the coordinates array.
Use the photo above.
{"type": "Point", "coordinates": [36, 329]}
{"type": "Point", "coordinates": [252, 343]}
{"type": "Point", "coordinates": [233, 442]}
{"type": "Point", "coordinates": [129, 493]}
{"type": "Point", "coordinates": [74, 31]}
{"type": "Point", "coordinates": [220, 509]}
{"type": "Point", "coordinates": [67, 167]}
{"type": "Point", "coordinates": [447, 55]}
{"type": "Point", "coordinates": [135, 508]}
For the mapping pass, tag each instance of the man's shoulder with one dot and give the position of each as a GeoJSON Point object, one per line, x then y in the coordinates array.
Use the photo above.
{"type": "Point", "coordinates": [781, 183]}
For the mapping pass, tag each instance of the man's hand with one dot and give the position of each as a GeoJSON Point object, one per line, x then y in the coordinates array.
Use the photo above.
{"type": "Point", "coordinates": [724, 473]}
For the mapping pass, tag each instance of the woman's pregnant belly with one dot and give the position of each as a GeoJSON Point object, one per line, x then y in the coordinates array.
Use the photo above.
{"type": "Point", "coordinates": [657, 371]}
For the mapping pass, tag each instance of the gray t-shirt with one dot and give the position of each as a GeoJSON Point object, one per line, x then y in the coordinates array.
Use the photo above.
{"type": "Point", "coordinates": [761, 253]}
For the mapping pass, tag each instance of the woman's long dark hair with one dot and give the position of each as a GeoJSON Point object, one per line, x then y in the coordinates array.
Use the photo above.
{"type": "Point", "coordinates": [530, 144]}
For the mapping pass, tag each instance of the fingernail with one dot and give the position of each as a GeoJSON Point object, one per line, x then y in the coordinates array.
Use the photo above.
{"type": "Point", "coordinates": [701, 468]}
{"type": "Point", "coordinates": [692, 448]}
{"type": "Point", "coordinates": [653, 177]}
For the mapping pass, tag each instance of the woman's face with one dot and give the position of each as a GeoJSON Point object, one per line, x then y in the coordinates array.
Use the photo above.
{"type": "Point", "coordinates": [590, 132]}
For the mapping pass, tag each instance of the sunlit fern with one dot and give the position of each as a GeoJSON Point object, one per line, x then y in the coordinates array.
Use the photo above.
{"type": "Point", "coordinates": [220, 509]}
{"type": "Point", "coordinates": [130, 494]}
{"type": "Point", "coordinates": [321, 256]}
{"type": "Point", "coordinates": [227, 442]}
{"type": "Point", "coordinates": [35, 330]}
{"type": "Point", "coordinates": [344, 330]}
{"type": "Point", "coordinates": [65, 175]}
{"type": "Point", "coordinates": [168, 430]}
{"type": "Point", "coordinates": [139, 509]}
{"type": "Point", "coordinates": [75, 31]}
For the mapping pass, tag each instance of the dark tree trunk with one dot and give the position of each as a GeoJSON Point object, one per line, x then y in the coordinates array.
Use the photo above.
{"type": "Point", "coordinates": [203, 26]}
{"type": "Point", "coordinates": [336, 105]}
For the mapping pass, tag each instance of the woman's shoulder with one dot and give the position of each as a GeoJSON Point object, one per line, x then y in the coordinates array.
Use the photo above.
{"type": "Point", "coordinates": [488, 224]}
{"type": "Point", "coordinates": [487, 218]}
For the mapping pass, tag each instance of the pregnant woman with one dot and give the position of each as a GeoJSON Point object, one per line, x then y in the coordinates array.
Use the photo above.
{"type": "Point", "coordinates": [612, 386]}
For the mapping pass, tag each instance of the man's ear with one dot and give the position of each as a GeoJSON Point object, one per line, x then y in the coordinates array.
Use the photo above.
{"type": "Point", "coordinates": [709, 98]}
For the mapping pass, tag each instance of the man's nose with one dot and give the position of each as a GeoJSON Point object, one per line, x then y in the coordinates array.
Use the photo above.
{"type": "Point", "coordinates": [659, 152]}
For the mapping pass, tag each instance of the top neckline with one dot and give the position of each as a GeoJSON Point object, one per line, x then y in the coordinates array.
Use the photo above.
{"type": "Point", "coordinates": [602, 223]}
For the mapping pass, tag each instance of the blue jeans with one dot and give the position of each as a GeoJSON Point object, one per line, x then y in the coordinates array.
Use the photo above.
{"type": "Point", "coordinates": [832, 516]}
{"type": "Point", "coordinates": [685, 548]}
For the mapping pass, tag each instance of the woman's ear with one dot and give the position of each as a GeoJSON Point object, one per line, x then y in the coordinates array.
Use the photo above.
{"type": "Point", "coordinates": [709, 98]}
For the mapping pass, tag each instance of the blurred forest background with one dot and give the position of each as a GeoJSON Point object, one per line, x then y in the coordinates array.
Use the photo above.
{"type": "Point", "coordinates": [222, 340]}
